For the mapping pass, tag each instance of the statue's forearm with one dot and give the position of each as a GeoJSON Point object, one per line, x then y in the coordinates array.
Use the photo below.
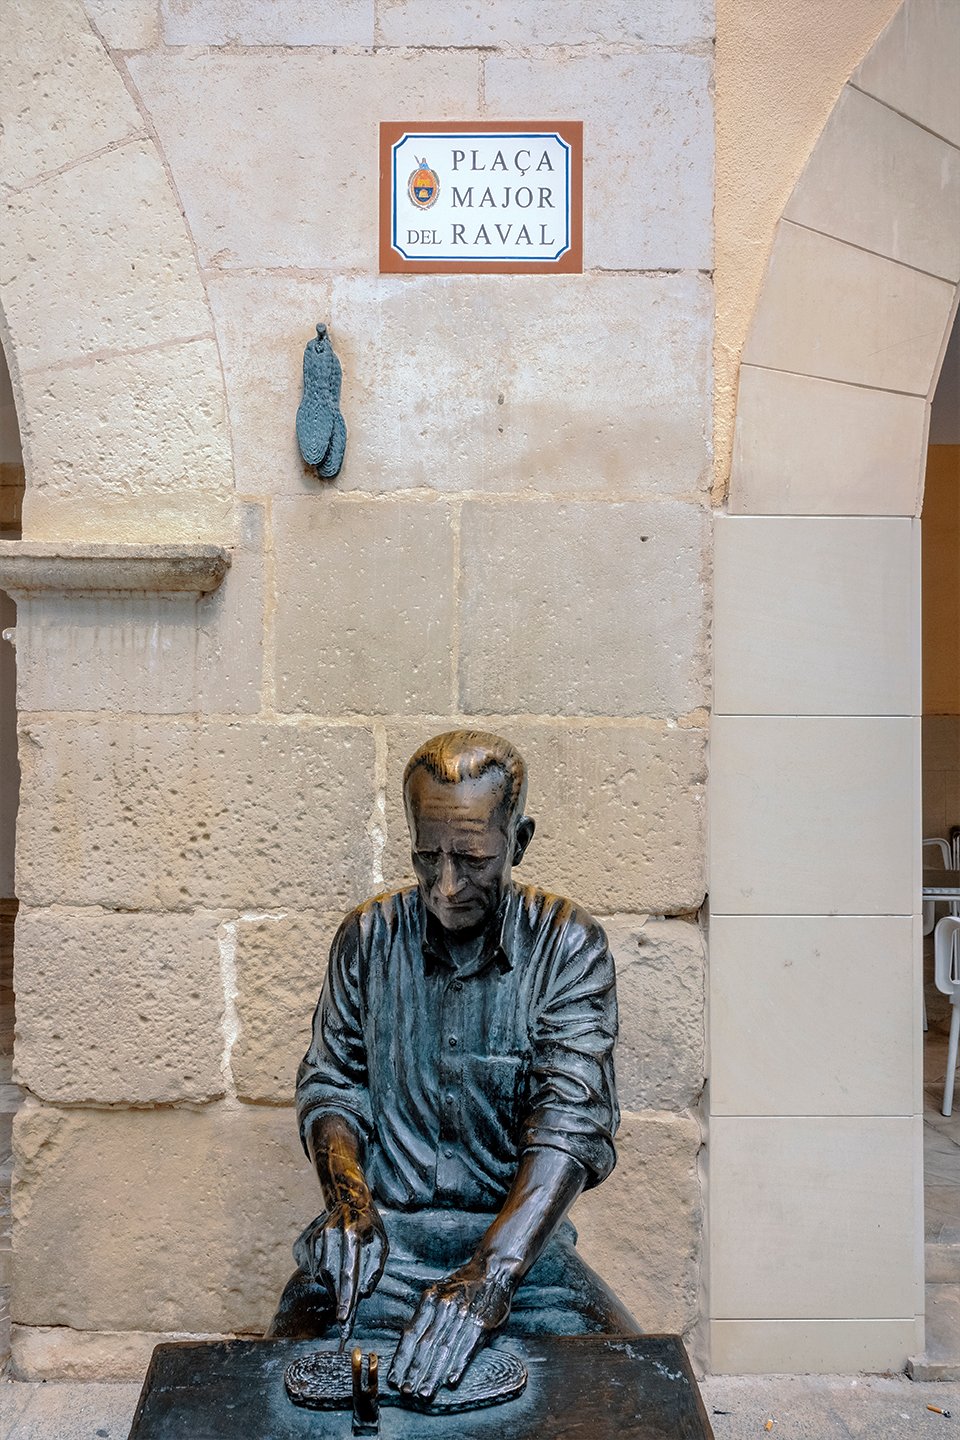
{"type": "Point", "coordinates": [335, 1149]}
{"type": "Point", "coordinates": [546, 1185]}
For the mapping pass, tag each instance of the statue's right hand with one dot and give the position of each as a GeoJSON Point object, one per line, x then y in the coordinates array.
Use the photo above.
{"type": "Point", "coordinates": [347, 1248]}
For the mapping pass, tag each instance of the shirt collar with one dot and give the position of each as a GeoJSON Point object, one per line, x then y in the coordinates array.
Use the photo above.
{"type": "Point", "coordinates": [496, 948]}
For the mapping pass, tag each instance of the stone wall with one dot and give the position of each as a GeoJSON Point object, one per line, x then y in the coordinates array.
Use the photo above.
{"type": "Point", "coordinates": [519, 538]}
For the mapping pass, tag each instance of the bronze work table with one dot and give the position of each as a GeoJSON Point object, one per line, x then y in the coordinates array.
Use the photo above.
{"type": "Point", "coordinates": [600, 1387]}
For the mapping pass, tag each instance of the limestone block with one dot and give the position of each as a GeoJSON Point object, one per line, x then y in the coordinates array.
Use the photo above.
{"type": "Point", "coordinates": [365, 605]}
{"type": "Point", "coordinates": [881, 182]}
{"type": "Point", "coordinates": [660, 964]}
{"type": "Point", "coordinates": [866, 297]}
{"type": "Point", "coordinates": [648, 166]}
{"type": "Point", "coordinates": [99, 258]}
{"type": "Point", "coordinates": [157, 1220]}
{"type": "Point", "coordinates": [230, 627]}
{"type": "Point", "coordinates": [148, 814]}
{"type": "Point", "coordinates": [301, 188]}
{"type": "Point", "coordinates": [527, 22]}
{"type": "Point", "coordinates": [813, 447]}
{"type": "Point", "coordinates": [619, 810]}
{"type": "Point", "coordinates": [125, 24]}
{"type": "Point", "coordinates": [475, 383]}
{"type": "Point", "coordinates": [118, 1008]}
{"type": "Point", "coordinates": [154, 421]}
{"type": "Point", "coordinates": [284, 22]}
{"type": "Point", "coordinates": [640, 1229]}
{"type": "Point", "coordinates": [583, 608]}
{"type": "Point", "coordinates": [62, 95]}
{"type": "Point", "coordinates": [154, 517]}
{"type": "Point", "coordinates": [912, 67]}
{"type": "Point", "coordinates": [56, 1352]}
{"type": "Point", "coordinates": [115, 652]}
{"type": "Point", "coordinates": [281, 961]}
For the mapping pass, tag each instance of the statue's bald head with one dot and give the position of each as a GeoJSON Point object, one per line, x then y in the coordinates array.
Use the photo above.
{"type": "Point", "coordinates": [458, 755]}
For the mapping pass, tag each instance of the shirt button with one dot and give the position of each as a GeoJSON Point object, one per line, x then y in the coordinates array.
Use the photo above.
{"type": "Point", "coordinates": [448, 1153]}
{"type": "Point", "coordinates": [453, 1042]}
{"type": "Point", "coordinates": [458, 984]}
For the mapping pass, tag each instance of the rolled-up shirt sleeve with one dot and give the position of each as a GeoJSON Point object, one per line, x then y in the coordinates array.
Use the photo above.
{"type": "Point", "coordinates": [332, 1078]}
{"type": "Point", "coordinates": [572, 1097]}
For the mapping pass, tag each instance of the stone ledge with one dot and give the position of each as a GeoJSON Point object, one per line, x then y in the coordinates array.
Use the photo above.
{"type": "Point", "coordinates": [68, 567]}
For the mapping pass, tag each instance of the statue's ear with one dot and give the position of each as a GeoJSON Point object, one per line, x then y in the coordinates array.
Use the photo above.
{"type": "Point", "coordinates": [525, 829]}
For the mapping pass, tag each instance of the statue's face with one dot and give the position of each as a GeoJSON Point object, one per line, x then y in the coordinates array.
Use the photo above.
{"type": "Point", "coordinates": [464, 845]}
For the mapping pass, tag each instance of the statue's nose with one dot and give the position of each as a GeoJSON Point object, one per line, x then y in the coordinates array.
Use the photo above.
{"type": "Point", "coordinates": [449, 879]}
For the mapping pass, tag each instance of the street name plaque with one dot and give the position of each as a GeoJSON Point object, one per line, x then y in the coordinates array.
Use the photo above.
{"type": "Point", "coordinates": [481, 196]}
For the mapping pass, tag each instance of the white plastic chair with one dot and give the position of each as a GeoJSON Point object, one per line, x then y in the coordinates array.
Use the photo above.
{"type": "Point", "coordinates": [929, 906]}
{"type": "Point", "coordinates": [946, 974]}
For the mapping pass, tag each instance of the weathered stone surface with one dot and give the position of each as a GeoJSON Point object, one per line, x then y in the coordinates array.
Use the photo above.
{"type": "Point", "coordinates": [280, 964]}
{"type": "Point", "coordinates": [462, 384]}
{"type": "Point", "coordinates": [318, 165]}
{"type": "Point", "coordinates": [365, 605]}
{"type": "Point", "coordinates": [583, 608]}
{"type": "Point", "coordinates": [660, 1059]}
{"type": "Point", "coordinates": [56, 1352]}
{"type": "Point", "coordinates": [619, 810]}
{"type": "Point", "coordinates": [109, 230]}
{"type": "Point", "coordinates": [230, 626]}
{"type": "Point", "coordinates": [62, 96]}
{"type": "Point", "coordinates": [510, 22]}
{"type": "Point", "coordinates": [135, 651]}
{"type": "Point", "coordinates": [648, 169]}
{"type": "Point", "coordinates": [114, 1008]}
{"type": "Point", "coordinates": [161, 425]}
{"type": "Point", "coordinates": [158, 815]}
{"type": "Point", "coordinates": [283, 22]}
{"type": "Point", "coordinates": [640, 1229]}
{"type": "Point", "coordinates": [156, 1220]}
{"type": "Point", "coordinates": [125, 24]}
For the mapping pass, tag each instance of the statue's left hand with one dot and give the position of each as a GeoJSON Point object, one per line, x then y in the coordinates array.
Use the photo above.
{"type": "Point", "coordinates": [454, 1319]}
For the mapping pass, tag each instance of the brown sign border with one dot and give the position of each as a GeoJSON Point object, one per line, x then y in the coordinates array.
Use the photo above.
{"type": "Point", "coordinates": [570, 263]}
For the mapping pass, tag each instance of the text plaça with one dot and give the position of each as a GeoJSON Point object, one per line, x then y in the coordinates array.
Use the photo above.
{"type": "Point", "coordinates": [499, 161]}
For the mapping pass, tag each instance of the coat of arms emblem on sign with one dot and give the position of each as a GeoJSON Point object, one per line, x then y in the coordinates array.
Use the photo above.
{"type": "Point", "coordinates": [424, 186]}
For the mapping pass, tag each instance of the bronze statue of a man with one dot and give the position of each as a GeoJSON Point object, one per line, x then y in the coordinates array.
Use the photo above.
{"type": "Point", "coordinates": [458, 1093]}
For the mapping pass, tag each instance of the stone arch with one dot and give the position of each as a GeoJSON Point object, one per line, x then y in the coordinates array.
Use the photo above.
{"type": "Point", "coordinates": [815, 1168]}
{"type": "Point", "coordinates": [103, 314]}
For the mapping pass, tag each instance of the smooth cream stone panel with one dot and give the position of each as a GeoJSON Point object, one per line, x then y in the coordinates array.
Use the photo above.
{"type": "Point", "coordinates": [814, 816]}
{"type": "Point", "coordinates": [99, 259]}
{"type": "Point", "coordinates": [138, 1007]}
{"type": "Point", "coordinates": [301, 186]}
{"type": "Point", "coordinates": [812, 1347]}
{"type": "Point", "coordinates": [281, 22]}
{"type": "Point", "coordinates": [648, 162]}
{"type": "Point", "coordinates": [365, 605]}
{"type": "Point", "coordinates": [141, 814]}
{"type": "Point", "coordinates": [829, 309]}
{"type": "Point", "coordinates": [529, 22]}
{"type": "Point", "coordinates": [912, 67]}
{"type": "Point", "coordinates": [125, 24]}
{"type": "Point", "coordinates": [476, 384]}
{"type": "Point", "coordinates": [153, 421]}
{"type": "Point", "coordinates": [583, 608]}
{"type": "Point", "coordinates": [62, 97]}
{"type": "Point", "coordinates": [815, 1218]}
{"type": "Point", "coordinates": [619, 809]}
{"type": "Point", "coordinates": [814, 447]}
{"type": "Point", "coordinates": [877, 180]}
{"type": "Point", "coordinates": [810, 1014]}
{"type": "Point", "coordinates": [834, 633]}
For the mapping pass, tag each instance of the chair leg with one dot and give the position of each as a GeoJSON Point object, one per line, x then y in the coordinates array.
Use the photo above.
{"type": "Point", "coordinates": [952, 1046]}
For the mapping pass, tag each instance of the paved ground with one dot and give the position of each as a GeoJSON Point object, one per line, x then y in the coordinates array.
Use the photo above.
{"type": "Point", "coordinates": [801, 1408]}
